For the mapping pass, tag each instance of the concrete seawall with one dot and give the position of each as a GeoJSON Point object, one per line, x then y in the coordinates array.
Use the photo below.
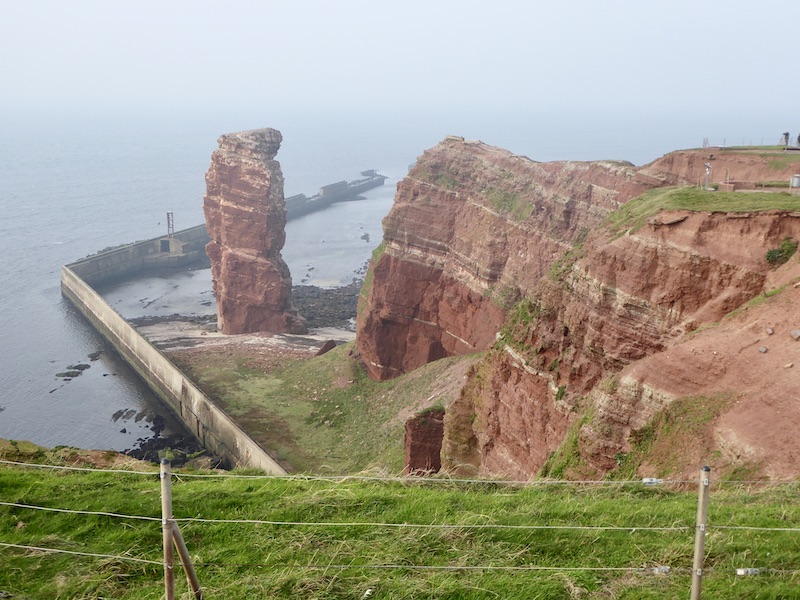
{"type": "Point", "coordinates": [215, 430]}
{"type": "Point", "coordinates": [182, 248]}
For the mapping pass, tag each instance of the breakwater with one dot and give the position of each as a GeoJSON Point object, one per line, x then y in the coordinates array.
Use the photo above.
{"type": "Point", "coordinates": [181, 249]}
{"type": "Point", "coordinates": [212, 427]}
{"type": "Point", "coordinates": [341, 191]}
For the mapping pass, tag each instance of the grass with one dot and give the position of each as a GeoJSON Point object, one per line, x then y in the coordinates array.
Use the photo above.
{"type": "Point", "coordinates": [435, 176]}
{"type": "Point", "coordinates": [566, 462]}
{"type": "Point", "coordinates": [634, 214]}
{"type": "Point", "coordinates": [324, 415]}
{"type": "Point", "coordinates": [754, 302]}
{"type": "Point", "coordinates": [518, 323]}
{"type": "Point", "coordinates": [498, 188]}
{"type": "Point", "coordinates": [369, 278]}
{"type": "Point", "coordinates": [767, 148]}
{"type": "Point", "coordinates": [772, 184]}
{"type": "Point", "coordinates": [777, 157]}
{"type": "Point", "coordinates": [447, 182]}
{"type": "Point", "coordinates": [671, 435]}
{"type": "Point", "coordinates": [781, 254]}
{"type": "Point", "coordinates": [247, 560]}
{"type": "Point", "coordinates": [779, 163]}
{"type": "Point", "coordinates": [562, 266]}
{"type": "Point", "coordinates": [514, 204]}
{"type": "Point", "coordinates": [505, 296]}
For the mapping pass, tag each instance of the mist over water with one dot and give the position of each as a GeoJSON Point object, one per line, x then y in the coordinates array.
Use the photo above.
{"type": "Point", "coordinates": [71, 186]}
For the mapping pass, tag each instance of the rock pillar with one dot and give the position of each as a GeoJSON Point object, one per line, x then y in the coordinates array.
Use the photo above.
{"type": "Point", "coordinates": [246, 218]}
{"type": "Point", "coordinates": [423, 444]}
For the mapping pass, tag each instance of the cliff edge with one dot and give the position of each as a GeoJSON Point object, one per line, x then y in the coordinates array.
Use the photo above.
{"type": "Point", "coordinates": [608, 304]}
{"type": "Point", "coordinates": [472, 229]}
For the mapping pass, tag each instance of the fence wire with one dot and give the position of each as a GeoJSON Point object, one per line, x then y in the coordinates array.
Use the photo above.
{"type": "Point", "coordinates": [662, 570]}
{"type": "Point", "coordinates": [657, 570]}
{"type": "Point", "coordinates": [76, 553]}
{"type": "Point", "coordinates": [374, 478]}
{"type": "Point", "coordinates": [630, 529]}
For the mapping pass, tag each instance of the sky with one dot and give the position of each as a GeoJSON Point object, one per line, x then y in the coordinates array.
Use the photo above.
{"type": "Point", "coordinates": [730, 56]}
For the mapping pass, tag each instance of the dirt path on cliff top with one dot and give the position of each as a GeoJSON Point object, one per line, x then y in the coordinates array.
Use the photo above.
{"type": "Point", "coordinates": [753, 355]}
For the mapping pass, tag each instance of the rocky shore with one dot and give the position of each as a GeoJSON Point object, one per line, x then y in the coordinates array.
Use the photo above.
{"type": "Point", "coordinates": [321, 307]}
{"type": "Point", "coordinates": [179, 448]}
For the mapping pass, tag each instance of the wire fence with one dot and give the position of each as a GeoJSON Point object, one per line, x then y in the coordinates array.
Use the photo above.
{"type": "Point", "coordinates": [170, 523]}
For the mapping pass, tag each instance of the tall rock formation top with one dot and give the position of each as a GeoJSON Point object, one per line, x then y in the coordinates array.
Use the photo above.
{"type": "Point", "coordinates": [246, 218]}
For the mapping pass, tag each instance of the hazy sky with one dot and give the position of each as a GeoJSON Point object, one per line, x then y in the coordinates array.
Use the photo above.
{"type": "Point", "coordinates": [676, 55]}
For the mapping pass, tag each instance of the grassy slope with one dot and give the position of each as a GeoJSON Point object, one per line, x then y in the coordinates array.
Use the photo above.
{"type": "Point", "coordinates": [327, 403]}
{"type": "Point", "coordinates": [324, 414]}
{"type": "Point", "coordinates": [634, 214]}
{"type": "Point", "coordinates": [274, 561]}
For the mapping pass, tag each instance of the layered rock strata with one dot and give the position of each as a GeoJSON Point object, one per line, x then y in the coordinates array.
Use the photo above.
{"type": "Point", "coordinates": [634, 300]}
{"type": "Point", "coordinates": [754, 167]}
{"type": "Point", "coordinates": [484, 250]}
{"type": "Point", "coordinates": [472, 230]}
{"type": "Point", "coordinates": [246, 218]}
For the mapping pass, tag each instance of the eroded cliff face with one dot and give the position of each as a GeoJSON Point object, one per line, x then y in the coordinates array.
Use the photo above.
{"type": "Point", "coordinates": [472, 230]}
{"type": "Point", "coordinates": [584, 348]}
{"type": "Point", "coordinates": [423, 443]}
{"type": "Point", "coordinates": [487, 250]}
{"type": "Point", "coordinates": [246, 218]}
{"type": "Point", "coordinates": [742, 364]}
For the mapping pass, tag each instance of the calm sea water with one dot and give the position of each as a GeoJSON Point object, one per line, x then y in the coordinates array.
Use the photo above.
{"type": "Point", "coordinates": [73, 185]}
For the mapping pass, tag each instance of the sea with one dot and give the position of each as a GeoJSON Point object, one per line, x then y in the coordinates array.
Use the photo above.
{"type": "Point", "coordinates": [73, 183]}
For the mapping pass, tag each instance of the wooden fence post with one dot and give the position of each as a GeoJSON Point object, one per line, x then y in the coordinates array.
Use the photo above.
{"type": "Point", "coordinates": [183, 552]}
{"type": "Point", "coordinates": [166, 528]}
{"type": "Point", "coordinates": [700, 533]}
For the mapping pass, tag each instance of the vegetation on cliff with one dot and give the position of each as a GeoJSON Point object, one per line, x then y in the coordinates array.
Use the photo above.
{"type": "Point", "coordinates": [547, 335]}
{"type": "Point", "coordinates": [633, 215]}
{"type": "Point", "coordinates": [326, 538]}
{"type": "Point", "coordinates": [781, 254]}
{"type": "Point", "coordinates": [323, 414]}
{"type": "Point", "coordinates": [370, 276]}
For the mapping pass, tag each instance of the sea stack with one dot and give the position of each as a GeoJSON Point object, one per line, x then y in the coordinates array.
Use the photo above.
{"type": "Point", "coordinates": [245, 215]}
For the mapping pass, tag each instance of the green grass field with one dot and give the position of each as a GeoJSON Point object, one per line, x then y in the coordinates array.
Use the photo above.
{"type": "Point", "coordinates": [324, 414]}
{"type": "Point", "coordinates": [330, 539]}
{"type": "Point", "coordinates": [634, 214]}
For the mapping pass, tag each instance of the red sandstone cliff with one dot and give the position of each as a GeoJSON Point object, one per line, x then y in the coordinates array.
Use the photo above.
{"type": "Point", "coordinates": [611, 341]}
{"type": "Point", "coordinates": [581, 366]}
{"type": "Point", "coordinates": [246, 218]}
{"type": "Point", "coordinates": [472, 229]}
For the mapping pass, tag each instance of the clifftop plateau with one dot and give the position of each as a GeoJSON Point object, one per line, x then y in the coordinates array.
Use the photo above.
{"type": "Point", "coordinates": [605, 304]}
